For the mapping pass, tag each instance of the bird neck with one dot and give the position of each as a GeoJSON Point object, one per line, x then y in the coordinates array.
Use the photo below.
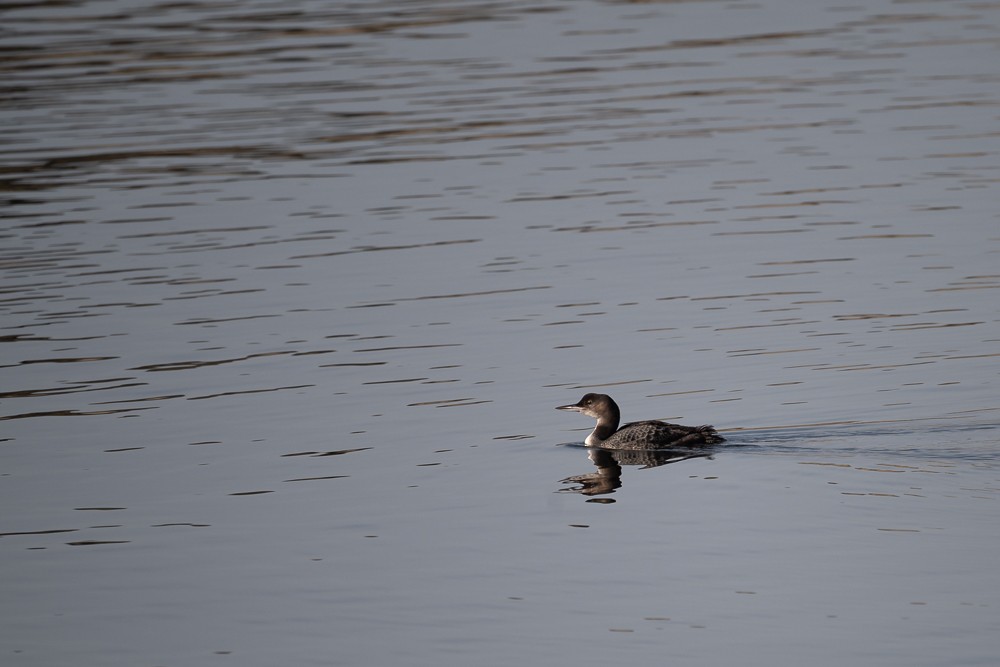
{"type": "Point", "coordinates": [606, 427]}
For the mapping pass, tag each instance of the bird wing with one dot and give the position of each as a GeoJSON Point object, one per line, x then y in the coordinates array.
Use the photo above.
{"type": "Point", "coordinates": [675, 434]}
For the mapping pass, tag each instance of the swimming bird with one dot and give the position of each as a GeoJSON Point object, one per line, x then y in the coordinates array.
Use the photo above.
{"type": "Point", "coordinates": [651, 434]}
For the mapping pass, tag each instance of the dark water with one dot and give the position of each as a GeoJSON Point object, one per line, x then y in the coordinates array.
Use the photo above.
{"type": "Point", "coordinates": [291, 289]}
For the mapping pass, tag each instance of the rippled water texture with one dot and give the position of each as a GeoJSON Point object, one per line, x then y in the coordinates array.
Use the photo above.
{"type": "Point", "coordinates": [290, 289]}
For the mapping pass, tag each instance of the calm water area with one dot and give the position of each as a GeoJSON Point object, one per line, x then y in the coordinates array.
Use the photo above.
{"type": "Point", "coordinates": [291, 289]}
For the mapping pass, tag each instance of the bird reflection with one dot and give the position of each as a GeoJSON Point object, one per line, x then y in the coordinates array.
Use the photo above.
{"type": "Point", "coordinates": [609, 462]}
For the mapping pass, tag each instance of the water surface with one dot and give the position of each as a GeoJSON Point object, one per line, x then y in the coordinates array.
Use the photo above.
{"type": "Point", "coordinates": [290, 291]}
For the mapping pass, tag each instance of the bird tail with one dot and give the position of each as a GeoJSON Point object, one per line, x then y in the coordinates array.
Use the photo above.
{"type": "Point", "coordinates": [710, 434]}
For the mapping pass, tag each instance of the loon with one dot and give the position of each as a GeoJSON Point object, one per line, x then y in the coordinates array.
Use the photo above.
{"type": "Point", "coordinates": [637, 435]}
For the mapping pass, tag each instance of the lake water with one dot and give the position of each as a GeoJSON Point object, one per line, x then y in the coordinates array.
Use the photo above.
{"type": "Point", "coordinates": [291, 289]}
